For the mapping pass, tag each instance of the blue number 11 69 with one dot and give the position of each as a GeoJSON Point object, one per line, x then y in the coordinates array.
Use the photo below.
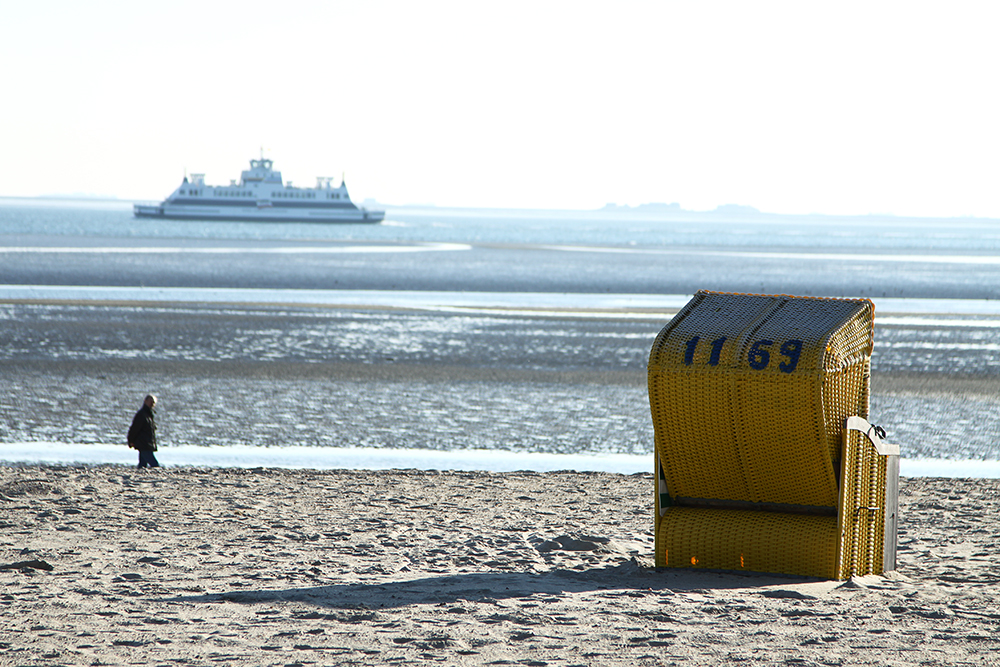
{"type": "Point", "coordinates": [759, 355]}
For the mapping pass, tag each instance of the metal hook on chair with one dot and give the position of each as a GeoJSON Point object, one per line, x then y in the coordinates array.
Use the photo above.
{"type": "Point", "coordinates": [875, 435]}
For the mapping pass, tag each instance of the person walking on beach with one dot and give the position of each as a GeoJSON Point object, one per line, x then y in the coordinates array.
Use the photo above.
{"type": "Point", "coordinates": [142, 433]}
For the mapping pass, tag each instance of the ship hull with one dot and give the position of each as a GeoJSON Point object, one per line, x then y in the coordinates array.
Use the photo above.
{"type": "Point", "coordinates": [273, 214]}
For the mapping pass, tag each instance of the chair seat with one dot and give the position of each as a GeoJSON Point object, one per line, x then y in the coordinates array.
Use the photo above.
{"type": "Point", "coordinates": [749, 541]}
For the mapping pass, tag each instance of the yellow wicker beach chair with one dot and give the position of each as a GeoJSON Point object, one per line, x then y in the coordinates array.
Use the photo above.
{"type": "Point", "coordinates": [765, 460]}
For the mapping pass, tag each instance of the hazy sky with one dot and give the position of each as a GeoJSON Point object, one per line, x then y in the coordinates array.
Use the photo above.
{"type": "Point", "coordinates": [790, 107]}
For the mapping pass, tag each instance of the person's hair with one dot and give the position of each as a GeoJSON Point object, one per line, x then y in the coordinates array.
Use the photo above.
{"type": "Point", "coordinates": [149, 397]}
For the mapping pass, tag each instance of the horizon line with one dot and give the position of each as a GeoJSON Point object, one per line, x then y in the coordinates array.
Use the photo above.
{"type": "Point", "coordinates": [647, 208]}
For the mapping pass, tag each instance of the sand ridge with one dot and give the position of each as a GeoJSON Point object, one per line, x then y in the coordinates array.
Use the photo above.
{"type": "Point", "coordinates": [189, 566]}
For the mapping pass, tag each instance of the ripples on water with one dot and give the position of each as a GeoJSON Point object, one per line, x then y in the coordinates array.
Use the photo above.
{"type": "Point", "coordinates": [260, 406]}
{"type": "Point", "coordinates": [925, 349]}
{"type": "Point", "coordinates": [321, 335]}
{"type": "Point", "coordinates": [530, 417]}
{"type": "Point", "coordinates": [637, 227]}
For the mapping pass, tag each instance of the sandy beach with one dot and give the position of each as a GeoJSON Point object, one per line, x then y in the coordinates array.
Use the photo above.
{"type": "Point", "coordinates": [108, 565]}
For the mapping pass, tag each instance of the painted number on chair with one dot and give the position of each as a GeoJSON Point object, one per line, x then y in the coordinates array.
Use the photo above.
{"type": "Point", "coordinates": [713, 359]}
{"type": "Point", "coordinates": [759, 355]}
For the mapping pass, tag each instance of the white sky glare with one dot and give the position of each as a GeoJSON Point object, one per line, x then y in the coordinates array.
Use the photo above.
{"type": "Point", "coordinates": [789, 107]}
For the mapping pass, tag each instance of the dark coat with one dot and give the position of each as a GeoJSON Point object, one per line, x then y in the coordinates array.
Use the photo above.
{"type": "Point", "coordinates": [142, 433]}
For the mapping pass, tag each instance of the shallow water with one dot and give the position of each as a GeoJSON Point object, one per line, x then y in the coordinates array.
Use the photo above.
{"type": "Point", "coordinates": [412, 379]}
{"type": "Point", "coordinates": [513, 332]}
{"type": "Point", "coordinates": [362, 458]}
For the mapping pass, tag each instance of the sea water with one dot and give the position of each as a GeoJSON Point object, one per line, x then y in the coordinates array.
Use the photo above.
{"type": "Point", "coordinates": [613, 226]}
{"type": "Point", "coordinates": [957, 333]}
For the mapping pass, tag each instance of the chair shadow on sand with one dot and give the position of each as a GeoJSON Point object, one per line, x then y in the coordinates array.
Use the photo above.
{"type": "Point", "coordinates": [629, 579]}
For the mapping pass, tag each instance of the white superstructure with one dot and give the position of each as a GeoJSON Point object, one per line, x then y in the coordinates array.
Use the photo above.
{"type": "Point", "coordinates": [259, 196]}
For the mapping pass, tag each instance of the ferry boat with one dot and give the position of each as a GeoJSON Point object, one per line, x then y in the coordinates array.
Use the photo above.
{"type": "Point", "coordinates": [261, 195]}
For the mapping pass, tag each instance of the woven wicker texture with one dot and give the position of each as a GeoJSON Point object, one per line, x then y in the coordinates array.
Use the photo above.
{"type": "Point", "coordinates": [861, 521]}
{"type": "Point", "coordinates": [749, 395]}
{"type": "Point", "coordinates": [752, 541]}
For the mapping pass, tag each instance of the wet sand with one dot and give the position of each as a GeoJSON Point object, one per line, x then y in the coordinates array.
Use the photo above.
{"type": "Point", "coordinates": [190, 566]}
{"type": "Point", "coordinates": [268, 376]}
